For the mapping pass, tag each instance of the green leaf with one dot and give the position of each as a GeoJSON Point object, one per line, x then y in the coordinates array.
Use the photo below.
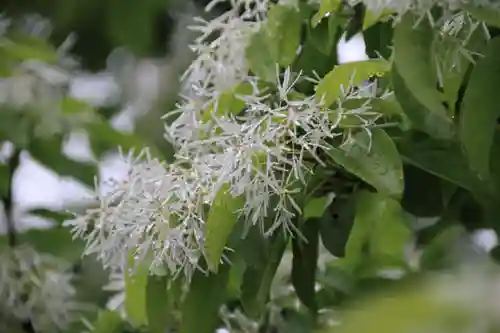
{"type": "Point", "coordinates": [371, 18]}
{"type": "Point", "coordinates": [336, 226]}
{"type": "Point", "coordinates": [48, 151]}
{"type": "Point", "coordinates": [489, 15]}
{"type": "Point", "coordinates": [478, 119]}
{"type": "Point", "coordinates": [257, 280]}
{"type": "Point", "coordinates": [326, 8]}
{"type": "Point", "coordinates": [283, 28]}
{"type": "Point", "coordinates": [316, 207]}
{"type": "Point", "coordinates": [373, 158]}
{"type": "Point", "coordinates": [453, 79]}
{"type": "Point", "coordinates": [436, 124]}
{"type": "Point", "coordinates": [378, 40]}
{"type": "Point", "coordinates": [345, 75]}
{"type": "Point", "coordinates": [230, 102]}
{"type": "Point", "coordinates": [157, 303]}
{"type": "Point", "coordinates": [442, 159]}
{"type": "Point", "coordinates": [379, 234]}
{"type": "Point", "coordinates": [413, 59]}
{"type": "Point", "coordinates": [238, 267]}
{"type": "Point", "coordinates": [259, 57]}
{"type": "Point", "coordinates": [436, 255]}
{"type": "Point", "coordinates": [221, 220]}
{"type": "Point", "coordinates": [14, 127]}
{"type": "Point", "coordinates": [136, 281]}
{"type": "Point", "coordinates": [201, 305]}
{"type": "Point", "coordinates": [324, 36]}
{"type": "Point", "coordinates": [304, 263]}
{"type": "Point", "coordinates": [107, 322]}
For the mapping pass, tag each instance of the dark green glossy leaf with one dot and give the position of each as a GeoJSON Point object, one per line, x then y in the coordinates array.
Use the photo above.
{"type": "Point", "coordinates": [335, 226]}
{"type": "Point", "coordinates": [323, 36]}
{"type": "Point", "coordinates": [304, 264]}
{"type": "Point", "coordinates": [478, 119]}
{"type": "Point", "coordinates": [442, 159]}
{"type": "Point", "coordinates": [374, 159]}
{"type": "Point", "coordinates": [201, 305]}
{"type": "Point", "coordinates": [435, 124]}
{"type": "Point", "coordinates": [378, 39]}
{"type": "Point", "coordinates": [454, 79]}
{"type": "Point", "coordinates": [416, 77]}
{"type": "Point", "coordinates": [257, 280]}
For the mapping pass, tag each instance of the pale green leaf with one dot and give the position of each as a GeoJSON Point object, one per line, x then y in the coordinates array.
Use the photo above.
{"type": "Point", "coordinates": [283, 27]}
{"type": "Point", "coordinates": [315, 207]}
{"type": "Point", "coordinates": [326, 8]}
{"type": "Point", "coordinates": [107, 322]}
{"type": "Point", "coordinates": [345, 75]}
{"type": "Point", "coordinates": [221, 220]}
{"type": "Point", "coordinates": [379, 234]}
{"type": "Point", "coordinates": [136, 281]}
{"type": "Point", "coordinates": [259, 57]}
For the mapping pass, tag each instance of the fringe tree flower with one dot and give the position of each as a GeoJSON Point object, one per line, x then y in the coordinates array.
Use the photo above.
{"type": "Point", "coordinates": [156, 213]}
{"type": "Point", "coordinates": [37, 287]}
{"type": "Point", "coordinates": [263, 154]}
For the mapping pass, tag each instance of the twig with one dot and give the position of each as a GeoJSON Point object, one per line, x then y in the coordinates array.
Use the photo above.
{"type": "Point", "coordinates": [8, 199]}
{"type": "Point", "coordinates": [8, 202]}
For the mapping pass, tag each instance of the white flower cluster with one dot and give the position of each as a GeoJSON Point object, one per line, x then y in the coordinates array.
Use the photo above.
{"type": "Point", "coordinates": [34, 87]}
{"type": "Point", "coordinates": [262, 154]}
{"type": "Point", "coordinates": [37, 287]}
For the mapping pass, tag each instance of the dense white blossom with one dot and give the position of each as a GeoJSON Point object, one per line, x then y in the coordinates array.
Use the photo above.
{"type": "Point", "coordinates": [263, 154]}
{"type": "Point", "coordinates": [37, 287]}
